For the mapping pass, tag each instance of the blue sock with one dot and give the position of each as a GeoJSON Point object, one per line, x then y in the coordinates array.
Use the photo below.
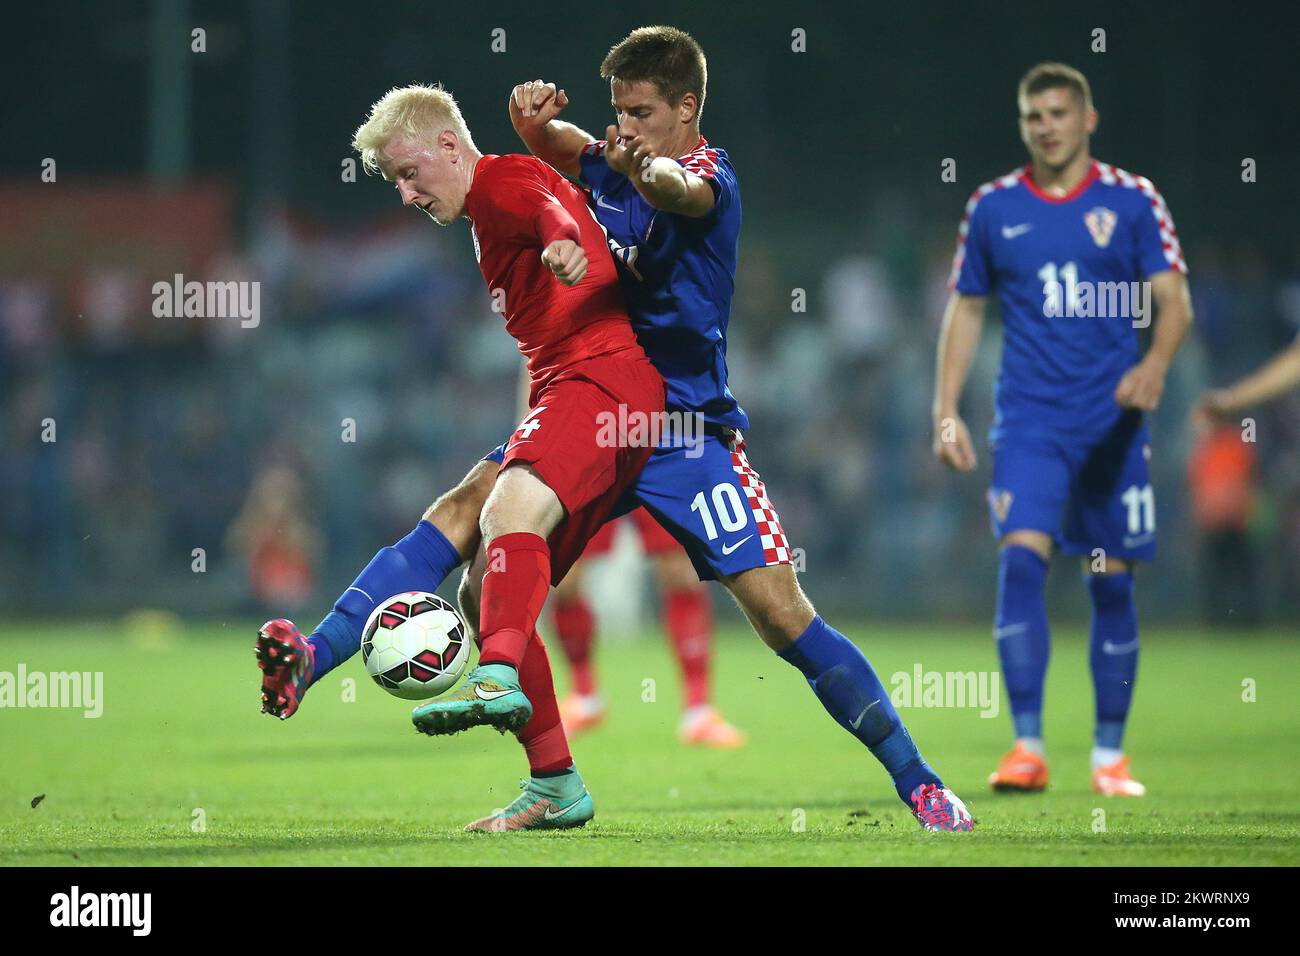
{"type": "Point", "coordinates": [849, 689]}
{"type": "Point", "coordinates": [419, 562]}
{"type": "Point", "coordinates": [1022, 636]}
{"type": "Point", "coordinates": [1114, 653]}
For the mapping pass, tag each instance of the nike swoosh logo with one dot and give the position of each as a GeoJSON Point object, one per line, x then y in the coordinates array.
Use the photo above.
{"type": "Point", "coordinates": [1010, 232]}
{"type": "Point", "coordinates": [1009, 630]}
{"type": "Point", "coordinates": [522, 441]}
{"type": "Point", "coordinates": [482, 694]}
{"type": "Point", "coordinates": [728, 548]}
{"type": "Point", "coordinates": [549, 815]}
{"type": "Point", "coordinates": [857, 723]}
{"type": "Point", "coordinates": [1109, 648]}
{"type": "Point", "coordinates": [600, 201]}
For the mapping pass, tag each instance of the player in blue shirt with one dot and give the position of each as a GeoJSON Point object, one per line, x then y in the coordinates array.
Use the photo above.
{"type": "Point", "coordinates": [1077, 250]}
{"type": "Point", "coordinates": [671, 206]}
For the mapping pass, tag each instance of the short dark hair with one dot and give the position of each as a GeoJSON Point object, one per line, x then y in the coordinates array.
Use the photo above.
{"type": "Point", "coordinates": [1050, 76]}
{"type": "Point", "coordinates": [667, 57]}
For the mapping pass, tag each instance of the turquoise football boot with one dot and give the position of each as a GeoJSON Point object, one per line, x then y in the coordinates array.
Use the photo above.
{"type": "Point", "coordinates": [547, 803]}
{"type": "Point", "coordinates": [489, 697]}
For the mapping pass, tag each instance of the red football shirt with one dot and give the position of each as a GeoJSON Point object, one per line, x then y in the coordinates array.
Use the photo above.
{"type": "Point", "coordinates": [517, 206]}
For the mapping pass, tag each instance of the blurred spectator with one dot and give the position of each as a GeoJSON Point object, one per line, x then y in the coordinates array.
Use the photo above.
{"type": "Point", "coordinates": [388, 326]}
{"type": "Point", "coordinates": [1220, 477]}
{"type": "Point", "coordinates": [275, 536]}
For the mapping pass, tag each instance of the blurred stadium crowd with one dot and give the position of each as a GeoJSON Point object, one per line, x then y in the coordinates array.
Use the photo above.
{"type": "Point", "coordinates": [200, 465]}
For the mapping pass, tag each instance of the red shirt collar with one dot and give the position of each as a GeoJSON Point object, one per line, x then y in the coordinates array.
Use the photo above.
{"type": "Point", "coordinates": [1027, 177]}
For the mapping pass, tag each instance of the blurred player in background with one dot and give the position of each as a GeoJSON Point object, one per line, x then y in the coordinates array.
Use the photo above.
{"type": "Point", "coordinates": [1221, 472]}
{"type": "Point", "coordinates": [686, 614]}
{"type": "Point", "coordinates": [1066, 242]}
{"type": "Point", "coordinates": [275, 534]}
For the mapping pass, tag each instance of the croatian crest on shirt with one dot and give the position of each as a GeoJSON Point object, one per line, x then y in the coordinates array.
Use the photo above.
{"type": "Point", "coordinates": [1000, 501]}
{"type": "Point", "coordinates": [1101, 223]}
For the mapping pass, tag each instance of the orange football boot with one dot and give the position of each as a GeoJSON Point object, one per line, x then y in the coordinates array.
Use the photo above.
{"type": "Point", "coordinates": [581, 712]}
{"type": "Point", "coordinates": [1021, 770]}
{"type": "Point", "coordinates": [1116, 781]}
{"type": "Point", "coordinates": [706, 728]}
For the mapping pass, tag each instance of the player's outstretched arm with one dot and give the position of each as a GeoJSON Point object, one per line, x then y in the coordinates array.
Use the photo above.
{"type": "Point", "coordinates": [963, 320]}
{"type": "Point", "coordinates": [533, 108]}
{"type": "Point", "coordinates": [1276, 377]}
{"type": "Point", "coordinates": [665, 183]}
{"type": "Point", "coordinates": [1143, 384]}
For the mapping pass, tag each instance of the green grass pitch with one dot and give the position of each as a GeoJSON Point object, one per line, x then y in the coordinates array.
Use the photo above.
{"type": "Point", "coordinates": [181, 743]}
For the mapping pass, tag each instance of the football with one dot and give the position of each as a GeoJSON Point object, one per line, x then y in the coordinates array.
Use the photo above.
{"type": "Point", "coordinates": [415, 645]}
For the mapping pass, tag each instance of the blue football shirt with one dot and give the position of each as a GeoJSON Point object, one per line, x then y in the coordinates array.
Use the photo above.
{"type": "Point", "coordinates": [1069, 272]}
{"type": "Point", "coordinates": [678, 275]}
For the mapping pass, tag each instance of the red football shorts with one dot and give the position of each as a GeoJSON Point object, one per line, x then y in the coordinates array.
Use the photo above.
{"type": "Point", "coordinates": [654, 539]}
{"type": "Point", "coordinates": [576, 437]}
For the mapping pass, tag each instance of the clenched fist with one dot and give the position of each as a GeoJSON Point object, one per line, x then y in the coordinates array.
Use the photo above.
{"type": "Point", "coordinates": [1141, 386]}
{"type": "Point", "coordinates": [566, 259]}
{"type": "Point", "coordinates": [534, 104]}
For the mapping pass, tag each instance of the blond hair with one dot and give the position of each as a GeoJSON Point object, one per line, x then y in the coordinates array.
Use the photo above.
{"type": "Point", "coordinates": [415, 110]}
{"type": "Point", "coordinates": [1048, 76]}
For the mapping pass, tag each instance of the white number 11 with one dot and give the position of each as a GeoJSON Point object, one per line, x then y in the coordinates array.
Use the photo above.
{"type": "Point", "coordinates": [1141, 504]}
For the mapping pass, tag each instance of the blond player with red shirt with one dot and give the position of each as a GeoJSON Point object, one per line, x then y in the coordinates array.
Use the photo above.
{"type": "Point", "coordinates": [559, 479]}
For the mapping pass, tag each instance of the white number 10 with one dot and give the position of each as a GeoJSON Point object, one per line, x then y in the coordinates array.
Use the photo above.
{"type": "Point", "coordinates": [727, 503]}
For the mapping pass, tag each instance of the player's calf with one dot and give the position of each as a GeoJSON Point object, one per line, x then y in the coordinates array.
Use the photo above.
{"type": "Point", "coordinates": [836, 670]}
{"type": "Point", "coordinates": [457, 512]}
{"type": "Point", "coordinates": [519, 515]}
{"type": "Point", "coordinates": [774, 604]}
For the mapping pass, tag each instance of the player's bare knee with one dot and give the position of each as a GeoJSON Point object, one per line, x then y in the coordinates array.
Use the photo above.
{"type": "Point", "coordinates": [1103, 565]}
{"type": "Point", "coordinates": [774, 604]}
{"type": "Point", "coordinates": [520, 502]}
{"type": "Point", "coordinates": [456, 513]}
{"type": "Point", "coordinates": [1036, 541]}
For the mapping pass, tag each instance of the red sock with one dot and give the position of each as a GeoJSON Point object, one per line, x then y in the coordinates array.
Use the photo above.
{"type": "Point", "coordinates": [515, 586]}
{"type": "Point", "coordinates": [543, 736]}
{"type": "Point", "coordinates": [688, 617]}
{"type": "Point", "coordinates": [575, 626]}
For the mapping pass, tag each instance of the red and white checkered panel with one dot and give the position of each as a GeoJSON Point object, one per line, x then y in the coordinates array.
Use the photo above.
{"type": "Point", "coordinates": [1168, 234]}
{"type": "Point", "coordinates": [776, 549]}
{"type": "Point", "coordinates": [1002, 182]}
